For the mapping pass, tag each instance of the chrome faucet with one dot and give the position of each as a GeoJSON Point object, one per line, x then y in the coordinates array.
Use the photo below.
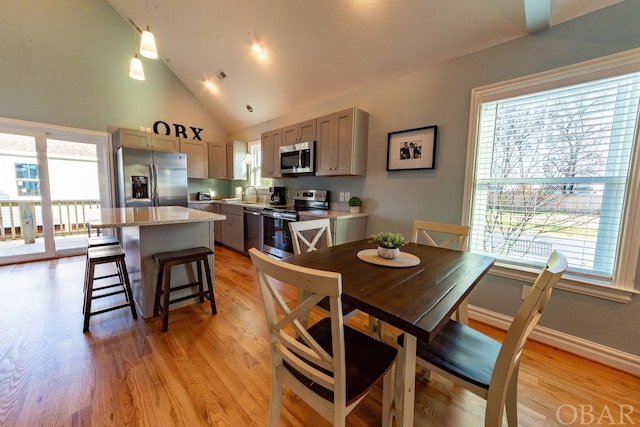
{"type": "Point", "coordinates": [244, 192]}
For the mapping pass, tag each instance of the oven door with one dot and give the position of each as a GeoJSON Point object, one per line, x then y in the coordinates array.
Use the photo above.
{"type": "Point", "coordinates": [276, 234]}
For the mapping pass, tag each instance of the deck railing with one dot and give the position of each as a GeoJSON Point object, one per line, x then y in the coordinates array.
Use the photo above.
{"type": "Point", "coordinates": [22, 219]}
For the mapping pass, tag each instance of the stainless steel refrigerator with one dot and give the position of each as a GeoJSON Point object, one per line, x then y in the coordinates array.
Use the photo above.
{"type": "Point", "coordinates": [150, 178]}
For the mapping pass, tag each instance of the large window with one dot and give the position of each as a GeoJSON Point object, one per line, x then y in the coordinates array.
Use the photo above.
{"type": "Point", "coordinates": [552, 162]}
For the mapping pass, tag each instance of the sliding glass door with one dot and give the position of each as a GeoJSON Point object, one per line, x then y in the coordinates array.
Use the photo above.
{"type": "Point", "coordinates": [50, 178]}
{"type": "Point", "coordinates": [22, 231]}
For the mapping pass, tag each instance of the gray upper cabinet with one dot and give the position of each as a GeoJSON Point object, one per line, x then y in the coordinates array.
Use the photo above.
{"type": "Point", "coordinates": [342, 140]}
{"type": "Point", "coordinates": [236, 168]}
{"type": "Point", "coordinates": [270, 143]}
{"type": "Point", "coordinates": [226, 160]}
{"type": "Point", "coordinates": [303, 131]}
{"type": "Point", "coordinates": [197, 158]}
{"type": "Point", "coordinates": [217, 155]}
{"type": "Point", "coordinates": [146, 141]}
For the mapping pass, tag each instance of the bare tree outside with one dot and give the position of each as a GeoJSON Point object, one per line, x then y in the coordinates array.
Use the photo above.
{"type": "Point", "coordinates": [548, 170]}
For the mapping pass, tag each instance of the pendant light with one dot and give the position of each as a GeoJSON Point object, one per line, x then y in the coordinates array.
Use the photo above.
{"type": "Point", "coordinates": [148, 45]}
{"type": "Point", "coordinates": [148, 42]}
{"type": "Point", "coordinates": [135, 68]}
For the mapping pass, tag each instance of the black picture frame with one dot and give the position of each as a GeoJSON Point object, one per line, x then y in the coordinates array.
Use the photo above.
{"type": "Point", "coordinates": [412, 149]}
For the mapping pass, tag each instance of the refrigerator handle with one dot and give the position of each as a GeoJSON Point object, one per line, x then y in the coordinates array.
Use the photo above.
{"type": "Point", "coordinates": [152, 184]}
{"type": "Point", "coordinates": [156, 200]}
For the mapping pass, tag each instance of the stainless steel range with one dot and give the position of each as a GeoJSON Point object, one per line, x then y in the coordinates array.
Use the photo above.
{"type": "Point", "coordinates": [277, 237]}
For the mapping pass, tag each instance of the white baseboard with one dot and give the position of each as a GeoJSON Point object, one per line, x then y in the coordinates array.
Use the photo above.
{"type": "Point", "coordinates": [608, 356]}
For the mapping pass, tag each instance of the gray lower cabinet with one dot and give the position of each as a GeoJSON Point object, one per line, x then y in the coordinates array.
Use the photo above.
{"type": "Point", "coordinates": [232, 229]}
{"type": "Point", "coordinates": [209, 207]}
{"type": "Point", "coordinates": [343, 229]}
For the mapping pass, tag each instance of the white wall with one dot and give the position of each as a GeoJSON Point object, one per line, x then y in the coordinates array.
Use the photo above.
{"type": "Point", "coordinates": [441, 96]}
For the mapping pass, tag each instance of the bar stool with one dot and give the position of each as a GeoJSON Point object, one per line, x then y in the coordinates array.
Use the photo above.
{"type": "Point", "coordinates": [104, 255]}
{"type": "Point", "coordinates": [94, 242]}
{"type": "Point", "coordinates": [166, 260]}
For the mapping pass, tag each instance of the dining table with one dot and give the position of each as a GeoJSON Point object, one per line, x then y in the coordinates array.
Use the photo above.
{"type": "Point", "coordinates": [416, 293]}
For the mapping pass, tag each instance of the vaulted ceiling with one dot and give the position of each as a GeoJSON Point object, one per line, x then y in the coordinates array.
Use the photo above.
{"type": "Point", "coordinates": [316, 50]}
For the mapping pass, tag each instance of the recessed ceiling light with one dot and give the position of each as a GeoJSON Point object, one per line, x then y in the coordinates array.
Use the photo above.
{"type": "Point", "coordinates": [258, 49]}
{"type": "Point", "coordinates": [210, 85]}
{"type": "Point", "coordinates": [249, 108]}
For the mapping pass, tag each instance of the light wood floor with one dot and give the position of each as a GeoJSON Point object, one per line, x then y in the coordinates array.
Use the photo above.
{"type": "Point", "coordinates": [214, 370]}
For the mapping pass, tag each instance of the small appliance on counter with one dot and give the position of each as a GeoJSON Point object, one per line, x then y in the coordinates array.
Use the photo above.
{"type": "Point", "coordinates": [278, 195]}
{"type": "Point", "coordinates": [202, 195]}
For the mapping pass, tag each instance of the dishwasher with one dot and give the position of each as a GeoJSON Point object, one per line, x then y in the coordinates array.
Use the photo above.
{"type": "Point", "coordinates": [252, 228]}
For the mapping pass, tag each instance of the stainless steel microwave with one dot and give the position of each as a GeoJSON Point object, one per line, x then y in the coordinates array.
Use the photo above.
{"type": "Point", "coordinates": [298, 158]}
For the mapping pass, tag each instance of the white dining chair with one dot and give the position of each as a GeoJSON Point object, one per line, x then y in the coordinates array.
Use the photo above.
{"type": "Point", "coordinates": [308, 236]}
{"type": "Point", "coordinates": [482, 365]}
{"type": "Point", "coordinates": [330, 366]}
{"type": "Point", "coordinates": [444, 236]}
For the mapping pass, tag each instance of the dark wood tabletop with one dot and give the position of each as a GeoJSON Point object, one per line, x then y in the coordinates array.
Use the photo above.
{"type": "Point", "coordinates": [418, 299]}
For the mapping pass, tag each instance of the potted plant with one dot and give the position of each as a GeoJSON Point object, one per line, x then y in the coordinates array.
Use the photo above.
{"type": "Point", "coordinates": [388, 244]}
{"type": "Point", "coordinates": [354, 204]}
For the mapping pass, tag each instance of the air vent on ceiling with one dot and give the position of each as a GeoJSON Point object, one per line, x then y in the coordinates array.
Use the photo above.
{"type": "Point", "coordinates": [221, 75]}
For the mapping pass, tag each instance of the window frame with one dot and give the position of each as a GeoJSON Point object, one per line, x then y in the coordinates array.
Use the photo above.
{"type": "Point", "coordinates": [41, 132]}
{"type": "Point", "coordinates": [252, 175]}
{"type": "Point", "coordinates": [621, 287]}
{"type": "Point", "coordinates": [29, 179]}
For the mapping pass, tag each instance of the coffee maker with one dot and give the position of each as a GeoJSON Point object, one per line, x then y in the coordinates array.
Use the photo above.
{"type": "Point", "coordinates": [278, 195]}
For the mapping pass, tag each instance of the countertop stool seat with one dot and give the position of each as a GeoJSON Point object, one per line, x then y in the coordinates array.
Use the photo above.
{"type": "Point", "coordinates": [94, 242]}
{"type": "Point", "coordinates": [166, 260]}
{"type": "Point", "coordinates": [111, 253]}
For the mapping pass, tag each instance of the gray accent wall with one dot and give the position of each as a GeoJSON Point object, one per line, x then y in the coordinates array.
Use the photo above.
{"type": "Point", "coordinates": [440, 96]}
{"type": "Point", "coordinates": [66, 62]}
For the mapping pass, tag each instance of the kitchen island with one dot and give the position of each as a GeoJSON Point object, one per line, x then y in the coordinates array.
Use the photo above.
{"type": "Point", "coordinates": [145, 231]}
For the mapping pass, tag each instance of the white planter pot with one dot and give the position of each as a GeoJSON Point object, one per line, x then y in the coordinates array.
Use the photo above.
{"type": "Point", "coordinates": [388, 253]}
{"type": "Point", "coordinates": [354, 209]}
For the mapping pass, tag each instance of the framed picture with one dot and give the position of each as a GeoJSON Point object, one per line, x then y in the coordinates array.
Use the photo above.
{"type": "Point", "coordinates": [412, 149]}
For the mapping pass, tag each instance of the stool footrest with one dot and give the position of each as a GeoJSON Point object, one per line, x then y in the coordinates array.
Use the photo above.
{"type": "Point", "coordinates": [105, 277]}
{"type": "Point", "coordinates": [105, 310]}
{"type": "Point", "coordinates": [108, 294]}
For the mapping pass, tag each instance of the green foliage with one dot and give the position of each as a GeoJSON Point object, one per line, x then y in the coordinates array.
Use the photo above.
{"type": "Point", "coordinates": [355, 201]}
{"type": "Point", "coordinates": [389, 240]}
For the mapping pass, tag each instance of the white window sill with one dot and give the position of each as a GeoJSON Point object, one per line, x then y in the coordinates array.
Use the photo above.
{"type": "Point", "coordinates": [568, 283]}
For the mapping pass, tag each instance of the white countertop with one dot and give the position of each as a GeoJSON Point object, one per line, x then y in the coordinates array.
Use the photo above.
{"type": "Point", "coordinates": [316, 213]}
{"type": "Point", "coordinates": [319, 213]}
{"type": "Point", "coordinates": [129, 217]}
